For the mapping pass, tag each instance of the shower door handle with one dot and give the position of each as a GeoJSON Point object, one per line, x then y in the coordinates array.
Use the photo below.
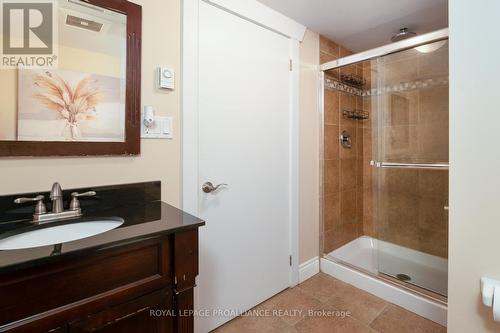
{"type": "Point", "coordinates": [438, 166]}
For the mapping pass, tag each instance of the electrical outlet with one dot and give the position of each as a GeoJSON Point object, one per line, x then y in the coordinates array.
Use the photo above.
{"type": "Point", "coordinates": [160, 129]}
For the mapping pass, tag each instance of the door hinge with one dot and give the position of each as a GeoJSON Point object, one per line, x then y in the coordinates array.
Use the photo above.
{"type": "Point", "coordinates": [290, 260]}
{"type": "Point", "coordinates": [291, 65]}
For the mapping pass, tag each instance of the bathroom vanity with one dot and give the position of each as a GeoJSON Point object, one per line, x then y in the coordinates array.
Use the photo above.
{"type": "Point", "coordinates": [138, 277]}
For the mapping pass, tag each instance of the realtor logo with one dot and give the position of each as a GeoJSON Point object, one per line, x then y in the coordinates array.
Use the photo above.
{"type": "Point", "coordinates": [28, 33]}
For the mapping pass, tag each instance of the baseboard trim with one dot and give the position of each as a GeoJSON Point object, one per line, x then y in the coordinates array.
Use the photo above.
{"type": "Point", "coordinates": [308, 269]}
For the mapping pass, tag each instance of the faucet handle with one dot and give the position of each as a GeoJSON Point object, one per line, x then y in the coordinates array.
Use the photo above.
{"type": "Point", "coordinates": [84, 194]}
{"type": "Point", "coordinates": [40, 206]}
{"type": "Point", "coordinates": [24, 200]}
{"type": "Point", "coordinates": [75, 203]}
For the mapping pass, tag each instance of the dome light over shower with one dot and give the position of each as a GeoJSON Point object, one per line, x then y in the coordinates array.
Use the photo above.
{"type": "Point", "coordinates": [428, 48]}
{"type": "Point", "coordinates": [405, 33]}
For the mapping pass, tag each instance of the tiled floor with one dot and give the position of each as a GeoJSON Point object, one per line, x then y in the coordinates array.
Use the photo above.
{"type": "Point", "coordinates": [346, 310]}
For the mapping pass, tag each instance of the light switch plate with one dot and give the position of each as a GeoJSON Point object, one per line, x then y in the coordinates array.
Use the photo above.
{"type": "Point", "coordinates": [161, 129]}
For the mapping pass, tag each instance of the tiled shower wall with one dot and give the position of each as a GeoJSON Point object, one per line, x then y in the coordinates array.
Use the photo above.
{"type": "Point", "coordinates": [342, 168]}
{"type": "Point", "coordinates": [415, 128]}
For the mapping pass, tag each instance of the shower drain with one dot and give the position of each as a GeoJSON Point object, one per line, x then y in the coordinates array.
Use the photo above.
{"type": "Point", "coordinates": [403, 277]}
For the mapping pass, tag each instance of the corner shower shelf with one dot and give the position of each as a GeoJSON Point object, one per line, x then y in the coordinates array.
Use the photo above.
{"type": "Point", "coordinates": [353, 80]}
{"type": "Point", "coordinates": [356, 114]}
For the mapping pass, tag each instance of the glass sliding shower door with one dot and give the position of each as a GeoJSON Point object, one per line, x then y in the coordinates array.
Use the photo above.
{"type": "Point", "coordinates": [411, 167]}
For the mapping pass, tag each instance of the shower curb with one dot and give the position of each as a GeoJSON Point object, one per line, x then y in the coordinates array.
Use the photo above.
{"type": "Point", "coordinates": [424, 307]}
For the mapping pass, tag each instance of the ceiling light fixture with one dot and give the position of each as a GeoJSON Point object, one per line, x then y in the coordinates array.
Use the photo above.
{"type": "Point", "coordinates": [431, 47]}
{"type": "Point", "coordinates": [403, 34]}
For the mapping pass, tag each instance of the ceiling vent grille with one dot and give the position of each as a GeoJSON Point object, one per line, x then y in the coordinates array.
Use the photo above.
{"type": "Point", "coordinates": [83, 23]}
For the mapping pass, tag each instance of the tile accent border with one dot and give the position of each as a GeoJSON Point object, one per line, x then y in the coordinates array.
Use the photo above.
{"type": "Point", "coordinates": [408, 86]}
{"type": "Point", "coordinates": [335, 84]}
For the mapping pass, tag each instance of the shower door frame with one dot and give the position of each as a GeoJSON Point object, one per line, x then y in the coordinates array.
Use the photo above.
{"type": "Point", "coordinates": [403, 45]}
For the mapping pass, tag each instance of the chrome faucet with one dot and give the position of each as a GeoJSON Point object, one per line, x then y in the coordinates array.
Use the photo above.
{"type": "Point", "coordinates": [57, 198]}
{"type": "Point", "coordinates": [58, 212]}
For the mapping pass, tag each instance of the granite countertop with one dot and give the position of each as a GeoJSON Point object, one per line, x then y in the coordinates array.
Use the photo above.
{"type": "Point", "coordinates": [143, 220]}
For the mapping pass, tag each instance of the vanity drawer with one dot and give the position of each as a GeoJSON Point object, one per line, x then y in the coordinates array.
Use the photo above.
{"type": "Point", "coordinates": [134, 270]}
{"type": "Point", "coordinates": [133, 316]}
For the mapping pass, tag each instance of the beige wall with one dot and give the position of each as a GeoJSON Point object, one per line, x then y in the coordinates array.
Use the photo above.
{"type": "Point", "coordinates": [475, 162]}
{"type": "Point", "coordinates": [159, 160]}
{"type": "Point", "coordinates": [309, 148]}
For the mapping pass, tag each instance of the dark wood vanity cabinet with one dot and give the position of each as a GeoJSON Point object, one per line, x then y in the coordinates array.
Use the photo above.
{"type": "Point", "coordinates": [142, 286]}
{"type": "Point", "coordinates": [132, 316]}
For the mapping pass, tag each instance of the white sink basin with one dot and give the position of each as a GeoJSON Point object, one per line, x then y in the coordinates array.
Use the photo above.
{"type": "Point", "coordinates": [58, 234]}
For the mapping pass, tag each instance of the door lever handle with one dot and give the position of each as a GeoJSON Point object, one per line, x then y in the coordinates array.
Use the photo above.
{"type": "Point", "coordinates": [208, 187]}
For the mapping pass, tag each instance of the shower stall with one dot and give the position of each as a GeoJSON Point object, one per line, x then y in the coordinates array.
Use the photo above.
{"type": "Point", "coordinates": [384, 195]}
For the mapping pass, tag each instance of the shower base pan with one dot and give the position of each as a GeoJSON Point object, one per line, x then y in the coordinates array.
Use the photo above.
{"type": "Point", "coordinates": [411, 279]}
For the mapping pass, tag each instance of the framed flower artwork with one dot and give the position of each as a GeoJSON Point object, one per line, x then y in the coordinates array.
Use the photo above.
{"type": "Point", "coordinates": [60, 105]}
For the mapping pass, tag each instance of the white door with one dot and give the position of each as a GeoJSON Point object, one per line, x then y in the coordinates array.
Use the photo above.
{"type": "Point", "coordinates": [244, 141]}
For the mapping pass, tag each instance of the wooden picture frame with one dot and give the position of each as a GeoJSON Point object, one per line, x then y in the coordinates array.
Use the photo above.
{"type": "Point", "coordinates": [131, 145]}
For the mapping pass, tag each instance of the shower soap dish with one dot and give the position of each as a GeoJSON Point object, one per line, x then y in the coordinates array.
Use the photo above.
{"type": "Point", "coordinates": [356, 114]}
{"type": "Point", "coordinates": [353, 80]}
